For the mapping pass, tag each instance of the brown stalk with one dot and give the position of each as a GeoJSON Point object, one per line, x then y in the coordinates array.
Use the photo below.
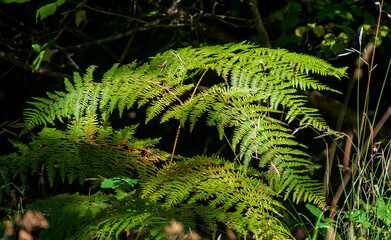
{"type": "Point", "coordinates": [257, 18]}
{"type": "Point", "coordinates": [371, 67]}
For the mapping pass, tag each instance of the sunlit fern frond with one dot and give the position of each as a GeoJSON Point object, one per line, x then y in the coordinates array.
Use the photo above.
{"type": "Point", "coordinates": [258, 95]}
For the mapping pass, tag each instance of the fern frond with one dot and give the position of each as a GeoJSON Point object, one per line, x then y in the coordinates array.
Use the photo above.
{"type": "Point", "coordinates": [140, 218]}
{"type": "Point", "coordinates": [86, 150]}
{"type": "Point", "coordinates": [100, 216]}
{"type": "Point", "coordinates": [258, 96]}
{"type": "Point", "coordinates": [220, 192]}
{"type": "Point", "coordinates": [66, 213]}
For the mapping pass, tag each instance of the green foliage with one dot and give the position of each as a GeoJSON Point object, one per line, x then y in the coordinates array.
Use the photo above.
{"type": "Point", "coordinates": [371, 219]}
{"type": "Point", "coordinates": [335, 26]}
{"type": "Point", "coordinates": [48, 10]}
{"type": "Point", "coordinates": [259, 96]}
{"type": "Point", "coordinates": [44, 53]}
{"type": "Point", "coordinates": [322, 223]}
{"type": "Point", "coordinates": [117, 182]}
{"type": "Point", "coordinates": [121, 185]}
{"type": "Point", "coordinates": [369, 216]}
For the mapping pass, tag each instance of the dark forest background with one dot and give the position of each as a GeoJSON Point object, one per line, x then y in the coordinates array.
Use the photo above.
{"type": "Point", "coordinates": [39, 47]}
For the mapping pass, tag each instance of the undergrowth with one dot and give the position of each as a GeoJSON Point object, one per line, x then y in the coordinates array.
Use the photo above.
{"type": "Point", "coordinates": [361, 205]}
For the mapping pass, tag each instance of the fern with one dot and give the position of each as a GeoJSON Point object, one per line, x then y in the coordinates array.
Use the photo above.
{"type": "Point", "coordinates": [259, 85]}
{"type": "Point", "coordinates": [258, 97]}
{"type": "Point", "coordinates": [209, 188]}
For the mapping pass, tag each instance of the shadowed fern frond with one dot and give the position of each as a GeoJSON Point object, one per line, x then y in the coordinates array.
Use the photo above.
{"type": "Point", "coordinates": [85, 151]}
{"type": "Point", "coordinates": [101, 216]}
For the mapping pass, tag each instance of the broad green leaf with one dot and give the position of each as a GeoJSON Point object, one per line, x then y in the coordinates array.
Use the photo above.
{"type": "Point", "coordinates": [80, 17]}
{"type": "Point", "coordinates": [383, 33]}
{"type": "Point", "coordinates": [326, 50]}
{"type": "Point", "coordinates": [319, 31]}
{"type": "Point", "coordinates": [366, 224]}
{"type": "Point", "coordinates": [45, 11]}
{"type": "Point", "coordinates": [120, 194]}
{"type": "Point", "coordinates": [47, 55]}
{"type": "Point", "coordinates": [279, 15]}
{"type": "Point", "coordinates": [384, 30]}
{"type": "Point", "coordinates": [110, 183]}
{"type": "Point", "coordinates": [344, 14]}
{"type": "Point", "coordinates": [299, 31]}
{"type": "Point", "coordinates": [37, 47]}
{"type": "Point", "coordinates": [366, 27]}
{"type": "Point", "coordinates": [378, 41]}
{"type": "Point", "coordinates": [337, 48]}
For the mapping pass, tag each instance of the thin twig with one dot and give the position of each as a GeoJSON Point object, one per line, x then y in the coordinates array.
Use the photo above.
{"type": "Point", "coordinates": [99, 41]}
{"type": "Point", "coordinates": [109, 13]}
{"type": "Point", "coordinates": [27, 67]}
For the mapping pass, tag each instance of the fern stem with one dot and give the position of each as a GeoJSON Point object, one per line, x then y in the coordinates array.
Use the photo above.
{"type": "Point", "coordinates": [179, 127]}
{"type": "Point", "coordinates": [198, 83]}
{"type": "Point", "coordinates": [175, 143]}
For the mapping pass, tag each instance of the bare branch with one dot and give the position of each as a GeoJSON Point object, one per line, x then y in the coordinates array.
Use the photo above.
{"type": "Point", "coordinates": [259, 23]}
